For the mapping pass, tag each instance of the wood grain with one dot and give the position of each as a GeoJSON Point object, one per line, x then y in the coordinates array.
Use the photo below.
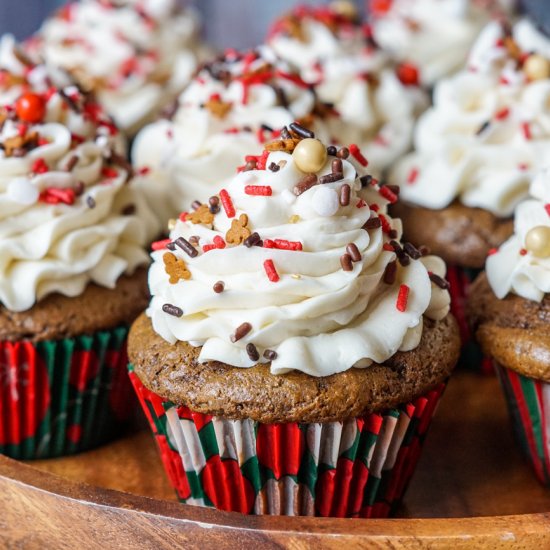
{"type": "Point", "coordinates": [470, 468]}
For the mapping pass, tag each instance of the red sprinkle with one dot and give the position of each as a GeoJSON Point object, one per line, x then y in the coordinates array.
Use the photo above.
{"type": "Point", "coordinates": [227, 203]}
{"type": "Point", "coordinates": [159, 245]}
{"type": "Point", "coordinates": [262, 190]}
{"type": "Point", "coordinates": [547, 208]}
{"type": "Point", "coordinates": [361, 203]}
{"type": "Point", "coordinates": [262, 161]}
{"type": "Point", "coordinates": [356, 152]}
{"type": "Point", "coordinates": [109, 172]}
{"type": "Point", "coordinates": [522, 252]}
{"type": "Point", "coordinates": [388, 194]}
{"type": "Point", "coordinates": [402, 298]}
{"type": "Point", "coordinates": [183, 216]}
{"type": "Point", "coordinates": [502, 114]}
{"type": "Point", "coordinates": [271, 272]}
{"type": "Point", "coordinates": [143, 171]}
{"type": "Point", "coordinates": [374, 207]}
{"type": "Point", "coordinates": [492, 251]}
{"type": "Point", "coordinates": [526, 128]}
{"type": "Point", "coordinates": [282, 244]}
{"type": "Point", "coordinates": [54, 195]}
{"type": "Point", "coordinates": [413, 176]}
{"type": "Point", "coordinates": [408, 74]}
{"type": "Point", "coordinates": [388, 247]}
{"type": "Point", "coordinates": [386, 227]}
{"type": "Point", "coordinates": [22, 129]}
{"type": "Point", "coordinates": [39, 166]}
{"type": "Point", "coordinates": [219, 242]}
{"type": "Point", "coordinates": [208, 247]}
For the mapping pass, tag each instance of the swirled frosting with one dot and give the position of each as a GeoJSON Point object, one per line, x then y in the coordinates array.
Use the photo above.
{"type": "Point", "coordinates": [228, 110]}
{"type": "Point", "coordinates": [135, 55]}
{"type": "Point", "coordinates": [435, 35]}
{"type": "Point", "coordinates": [375, 103]}
{"type": "Point", "coordinates": [513, 268]}
{"type": "Point", "coordinates": [301, 297]}
{"type": "Point", "coordinates": [488, 132]}
{"type": "Point", "coordinates": [68, 216]}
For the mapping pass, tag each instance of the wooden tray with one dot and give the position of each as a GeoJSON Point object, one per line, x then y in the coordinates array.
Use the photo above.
{"type": "Point", "coordinates": [470, 477]}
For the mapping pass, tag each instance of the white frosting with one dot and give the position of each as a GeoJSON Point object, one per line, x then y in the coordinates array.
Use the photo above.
{"type": "Point", "coordinates": [192, 155]}
{"type": "Point", "coordinates": [513, 268]}
{"type": "Point", "coordinates": [375, 109]}
{"type": "Point", "coordinates": [47, 248]}
{"type": "Point", "coordinates": [455, 157]}
{"type": "Point", "coordinates": [318, 318]}
{"type": "Point", "coordinates": [435, 35]}
{"type": "Point", "coordinates": [137, 55]}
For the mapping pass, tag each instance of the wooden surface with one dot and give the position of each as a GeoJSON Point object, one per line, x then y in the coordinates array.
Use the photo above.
{"type": "Point", "coordinates": [470, 476]}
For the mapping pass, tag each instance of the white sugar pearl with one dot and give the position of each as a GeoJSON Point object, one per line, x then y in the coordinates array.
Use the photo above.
{"type": "Point", "coordinates": [325, 201]}
{"type": "Point", "coordinates": [22, 191]}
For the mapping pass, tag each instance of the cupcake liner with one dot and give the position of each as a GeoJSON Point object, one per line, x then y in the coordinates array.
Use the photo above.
{"type": "Point", "coordinates": [471, 356]}
{"type": "Point", "coordinates": [357, 468]}
{"type": "Point", "coordinates": [59, 397]}
{"type": "Point", "coordinates": [529, 407]}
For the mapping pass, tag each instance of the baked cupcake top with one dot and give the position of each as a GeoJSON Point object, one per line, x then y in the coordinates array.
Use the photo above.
{"type": "Point", "coordinates": [135, 55]}
{"type": "Point", "coordinates": [297, 263]}
{"type": "Point", "coordinates": [433, 35]}
{"type": "Point", "coordinates": [375, 103]}
{"type": "Point", "coordinates": [522, 264]}
{"type": "Point", "coordinates": [68, 216]}
{"type": "Point", "coordinates": [488, 132]}
{"type": "Point", "coordinates": [230, 109]}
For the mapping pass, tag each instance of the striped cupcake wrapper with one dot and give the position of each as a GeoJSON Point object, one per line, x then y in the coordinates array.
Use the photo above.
{"type": "Point", "coordinates": [529, 407]}
{"type": "Point", "coordinates": [59, 397]}
{"type": "Point", "coordinates": [357, 468]}
{"type": "Point", "coordinates": [471, 356]}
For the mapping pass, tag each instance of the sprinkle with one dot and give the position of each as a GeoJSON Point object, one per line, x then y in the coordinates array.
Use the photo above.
{"type": "Point", "coordinates": [39, 166]}
{"type": "Point", "coordinates": [412, 251]}
{"type": "Point", "coordinates": [262, 190]}
{"type": "Point", "coordinates": [274, 167]}
{"type": "Point", "coordinates": [129, 210]}
{"type": "Point", "coordinates": [345, 192]}
{"type": "Point", "coordinates": [413, 176]}
{"type": "Point", "coordinates": [159, 245]}
{"type": "Point", "coordinates": [404, 260]}
{"type": "Point", "coordinates": [388, 247]}
{"type": "Point", "coordinates": [408, 74]}
{"type": "Point", "coordinates": [143, 171]}
{"type": "Point", "coordinates": [227, 203]}
{"type": "Point", "coordinates": [295, 218]}
{"type": "Point", "coordinates": [172, 310]}
{"type": "Point", "coordinates": [109, 172]}
{"type": "Point", "coordinates": [361, 203]}
{"type": "Point", "coordinates": [271, 272]}
{"type": "Point", "coordinates": [241, 331]}
{"type": "Point", "coordinates": [492, 251]}
{"type": "Point", "coordinates": [301, 131]}
{"type": "Point", "coordinates": [483, 127]}
{"type": "Point", "coordinates": [374, 207]}
{"type": "Point", "coordinates": [439, 281]}
{"type": "Point", "coordinates": [282, 244]}
{"type": "Point", "coordinates": [523, 252]}
{"type": "Point", "coordinates": [390, 273]}
{"type": "Point", "coordinates": [331, 150]}
{"type": "Point", "coordinates": [345, 262]}
{"type": "Point", "coordinates": [402, 298]}
{"type": "Point", "coordinates": [208, 247]}
{"type": "Point", "coordinates": [547, 208]}
{"type": "Point", "coordinates": [219, 242]}
{"type": "Point", "coordinates": [53, 195]}
{"type": "Point", "coordinates": [218, 287]}
{"type": "Point", "coordinates": [366, 180]}
{"type": "Point", "coordinates": [424, 250]}
{"type": "Point", "coordinates": [337, 167]}
{"type": "Point", "coordinates": [386, 227]}
{"type": "Point", "coordinates": [343, 153]}
{"type": "Point", "coordinates": [186, 246]}
{"type": "Point", "coordinates": [308, 181]}
{"type": "Point", "coordinates": [372, 223]}
{"type": "Point", "coordinates": [252, 351]}
{"type": "Point", "coordinates": [73, 161]}
{"type": "Point", "coordinates": [526, 128]}
{"type": "Point", "coordinates": [252, 240]}
{"type": "Point", "coordinates": [171, 246]}
{"type": "Point", "coordinates": [270, 355]}
{"type": "Point", "coordinates": [194, 240]}
{"type": "Point", "coordinates": [388, 194]}
{"type": "Point", "coordinates": [90, 201]}
{"type": "Point", "coordinates": [296, 276]}
{"type": "Point", "coordinates": [183, 216]}
{"type": "Point", "coordinates": [502, 114]}
{"type": "Point", "coordinates": [331, 178]}
{"type": "Point", "coordinates": [356, 152]}
{"type": "Point", "coordinates": [353, 252]}
{"type": "Point", "coordinates": [195, 205]}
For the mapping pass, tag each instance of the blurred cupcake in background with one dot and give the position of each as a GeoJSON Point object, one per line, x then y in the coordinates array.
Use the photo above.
{"type": "Point", "coordinates": [375, 103]}
{"type": "Point", "coordinates": [477, 149]}
{"type": "Point", "coordinates": [433, 36]}
{"type": "Point", "coordinates": [509, 308]}
{"type": "Point", "coordinates": [228, 111]}
{"type": "Point", "coordinates": [72, 257]}
{"type": "Point", "coordinates": [136, 56]}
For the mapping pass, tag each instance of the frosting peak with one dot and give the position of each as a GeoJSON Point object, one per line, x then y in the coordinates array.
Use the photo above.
{"type": "Point", "coordinates": [299, 269]}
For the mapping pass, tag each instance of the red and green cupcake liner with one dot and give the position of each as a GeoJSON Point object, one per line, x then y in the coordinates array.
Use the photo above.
{"type": "Point", "coordinates": [460, 280]}
{"type": "Point", "coordinates": [357, 468]}
{"type": "Point", "coordinates": [59, 397]}
{"type": "Point", "coordinates": [529, 407]}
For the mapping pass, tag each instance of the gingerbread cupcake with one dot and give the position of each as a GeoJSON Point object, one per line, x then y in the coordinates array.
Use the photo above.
{"type": "Point", "coordinates": [509, 308]}
{"type": "Point", "coordinates": [294, 351]}
{"type": "Point", "coordinates": [72, 278]}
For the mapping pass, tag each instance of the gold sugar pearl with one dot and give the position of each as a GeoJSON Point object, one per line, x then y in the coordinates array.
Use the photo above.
{"type": "Point", "coordinates": [345, 8]}
{"type": "Point", "coordinates": [537, 241]}
{"type": "Point", "coordinates": [536, 67]}
{"type": "Point", "coordinates": [310, 155]}
{"type": "Point", "coordinates": [171, 224]}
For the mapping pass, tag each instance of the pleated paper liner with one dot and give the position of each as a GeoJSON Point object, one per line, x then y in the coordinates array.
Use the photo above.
{"type": "Point", "coordinates": [60, 397]}
{"type": "Point", "coordinates": [356, 468]}
{"type": "Point", "coordinates": [471, 356]}
{"type": "Point", "coordinates": [529, 407]}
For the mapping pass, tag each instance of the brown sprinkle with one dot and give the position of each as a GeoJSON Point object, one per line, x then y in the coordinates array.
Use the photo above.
{"type": "Point", "coordinates": [270, 354]}
{"type": "Point", "coordinates": [252, 240]}
{"type": "Point", "coordinates": [372, 223]}
{"type": "Point", "coordinates": [300, 131]}
{"type": "Point", "coordinates": [219, 287]}
{"type": "Point", "coordinates": [353, 251]}
{"type": "Point", "coordinates": [331, 178]}
{"type": "Point", "coordinates": [186, 246]}
{"type": "Point", "coordinates": [404, 260]}
{"type": "Point", "coordinates": [343, 153]}
{"type": "Point", "coordinates": [241, 331]}
{"type": "Point", "coordinates": [90, 201]}
{"type": "Point", "coordinates": [345, 191]}
{"type": "Point", "coordinates": [172, 310]}
{"type": "Point", "coordinates": [129, 210]}
{"type": "Point", "coordinates": [331, 150]}
{"type": "Point", "coordinates": [345, 261]}
{"type": "Point", "coordinates": [73, 161]}
{"type": "Point", "coordinates": [439, 281]}
{"type": "Point", "coordinates": [390, 272]}
{"type": "Point", "coordinates": [424, 250]}
{"type": "Point", "coordinates": [252, 351]}
{"type": "Point", "coordinates": [195, 205]}
{"type": "Point", "coordinates": [337, 167]}
{"type": "Point", "coordinates": [194, 240]}
{"type": "Point", "coordinates": [308, 181]}
{"type": "Point", "coordinates": [412, 251]}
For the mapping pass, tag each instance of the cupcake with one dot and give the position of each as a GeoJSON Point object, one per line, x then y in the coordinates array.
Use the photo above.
{"type": "Point", "coordinates": [477, 149]}
{"type": "Point", "coordinates": [374, 102]}
{"type": "Point", "coordinates": [509, 308]}
{"type": "Point", "coordinates": [293, 352]}
{"type": "Point", "coordinates": [228, 111]}
{"type": "Point", "coordinates": [135, 56]}
{"type": "Point", "coordinates": [72, 274]}
{"type": "Point", "coordinates": [433, 36]}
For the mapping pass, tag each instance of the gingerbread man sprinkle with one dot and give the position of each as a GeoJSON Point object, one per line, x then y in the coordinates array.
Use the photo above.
{"type": "Point", "coordinates": [239, 230]}
{"type": "Point", "coordinates": [175, 267]}
{"type": "Point", "coordinates": [201, 215]}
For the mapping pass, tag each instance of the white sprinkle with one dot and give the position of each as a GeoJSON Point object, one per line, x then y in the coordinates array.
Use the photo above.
{"type": "Point", "coordinates": [325, 201]}
{"type": "Point", "coordinates": [22, 191]}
